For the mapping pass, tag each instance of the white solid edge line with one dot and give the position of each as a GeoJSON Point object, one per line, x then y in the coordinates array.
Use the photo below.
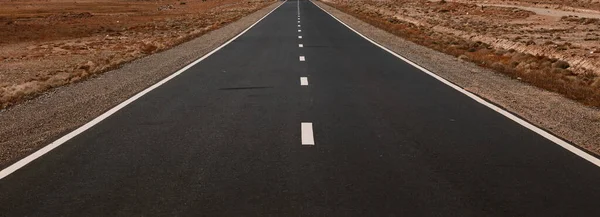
{"type": "Point", "coordinates": [307, 133]}
{"type": "Point", "coordinates": [303, 81]}
{"type": "Point", "coordinates": [302, 58]}
{"type": "Point", "coordinates": [19, 164]}
{"type": "Point", "coordinates": [478, 99]}
{"type": "Point", "coordinates": [300, 45]}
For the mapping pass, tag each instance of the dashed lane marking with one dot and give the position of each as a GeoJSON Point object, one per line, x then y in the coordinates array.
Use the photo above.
{"type": "Point", "coordinates": [307, 133]}
{"type": "Point", "coordinates": [303, 81]}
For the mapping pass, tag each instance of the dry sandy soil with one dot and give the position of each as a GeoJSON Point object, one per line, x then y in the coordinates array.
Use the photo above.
{"type": "Point", "coordinates": [50, 43]}
{"type": "Point", "coordinates": [555, 46]}
{"type": "Point", "coordinates": [563, 5]}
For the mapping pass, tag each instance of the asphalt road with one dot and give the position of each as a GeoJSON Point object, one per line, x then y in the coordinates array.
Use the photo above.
{"type": "Point", "coordinates": [224, 138]}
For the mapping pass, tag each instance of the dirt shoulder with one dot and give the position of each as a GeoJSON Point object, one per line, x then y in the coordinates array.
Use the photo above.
{"type": "Point", "coordinates": [566, 118]}
{"type": "Point", "coordinates": [30, 125]}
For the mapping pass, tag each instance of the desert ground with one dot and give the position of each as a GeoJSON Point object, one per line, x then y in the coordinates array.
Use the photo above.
{"type": "Point", "coordinates": [50, 43]}
{"type": "Point", "coordinates": [551, 44]}
{"type": "Point", "coordinates": [554, 45]}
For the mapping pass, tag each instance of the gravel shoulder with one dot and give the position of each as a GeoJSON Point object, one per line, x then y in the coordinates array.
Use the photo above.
{"type": "Point", "coordinates": [563, 117]}
{"type": "Point", "coordinates": [29, 126]}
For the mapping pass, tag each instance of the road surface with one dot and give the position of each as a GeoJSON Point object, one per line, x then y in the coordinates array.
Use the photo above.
{"type": "Point", "coordinates": [324, 125]}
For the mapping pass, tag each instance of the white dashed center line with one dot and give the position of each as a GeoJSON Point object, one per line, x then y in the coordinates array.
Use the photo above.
{"type": "Point", "coordinates": [303, 81]}
{"type": "Point", "coordinates": [307, 134]}
{"type": "Point", "coordinates": [300, 45]}
{"type": "Point", "coordinates": [300, 37]}
{"type": "Point", "coordinates": [302, 59]}
{"type": "Point", "coordinates": [299, 30]}
{"type": "Point", "coordinates": [298, 25]}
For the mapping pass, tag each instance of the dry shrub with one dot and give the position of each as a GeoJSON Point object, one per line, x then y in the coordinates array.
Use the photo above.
{"type": "Point", "coordinates": [561, 64]}
{"type": "Point", "coordinates": [149, 48]}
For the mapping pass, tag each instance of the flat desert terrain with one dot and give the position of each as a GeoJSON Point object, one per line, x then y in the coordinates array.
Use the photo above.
{"type": "Point", "coordinates": [554, 45]}
{"type": "Point", "coordinates": [50, 43]}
